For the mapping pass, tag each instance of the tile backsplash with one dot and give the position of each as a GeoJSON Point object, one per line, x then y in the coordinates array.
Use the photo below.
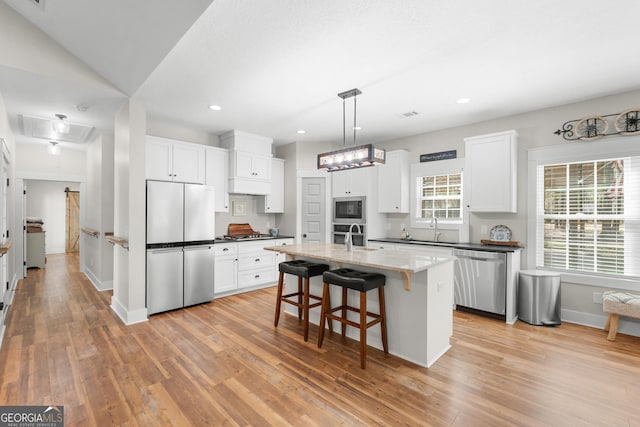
{"type": "Point", "coordinates": [244, 214]}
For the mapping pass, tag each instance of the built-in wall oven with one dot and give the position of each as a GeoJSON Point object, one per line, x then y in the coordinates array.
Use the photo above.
{"type": "Point", "coordinates": [340, 232]}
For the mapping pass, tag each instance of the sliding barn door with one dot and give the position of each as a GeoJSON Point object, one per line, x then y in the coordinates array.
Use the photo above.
{"type": "Point", "coordinates": [73, 222]}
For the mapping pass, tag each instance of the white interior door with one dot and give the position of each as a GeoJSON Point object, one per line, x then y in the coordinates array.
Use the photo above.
{"type": "Point", "coordinates": [313, 210]}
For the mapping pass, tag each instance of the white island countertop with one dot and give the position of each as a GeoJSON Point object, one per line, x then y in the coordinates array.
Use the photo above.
{"type": "Point", "coordinates": [402, 261]}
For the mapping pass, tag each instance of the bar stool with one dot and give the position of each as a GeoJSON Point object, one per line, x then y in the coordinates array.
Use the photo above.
{"type": "Point", "coordinates": [302, 269]}
{"type": "Point", "coordinates": [361, 282]}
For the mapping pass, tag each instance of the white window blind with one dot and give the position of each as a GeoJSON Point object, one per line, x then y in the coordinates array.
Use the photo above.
{"type": "Point", "coordinates": [588, 216]}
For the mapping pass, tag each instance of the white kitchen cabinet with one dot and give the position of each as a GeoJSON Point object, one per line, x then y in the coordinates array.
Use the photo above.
{"type": "Point", "coordinates": [354, 182]}
{"type": "Point", "coordinates": [255, 265]}
{"type": "Point", "coordinates": [226, 267]}
{"type": "Point", "coordinates": [217, 175]}
{"type": "Point", "coordinates": [490, 172]}
{"type": "Point", "coordinates": [243, 266]}
{"type": "Point", "coordinates": [393, 183]}
{"type": "Point", "coordinates": [170, 160]}
{"type": "Point", "coordinates": [274, 202]}
{"type": "Point", "coordinates": [249, 162]}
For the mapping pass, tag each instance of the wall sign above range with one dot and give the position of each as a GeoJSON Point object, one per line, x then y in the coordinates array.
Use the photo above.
{"type": "Point", "coordinates": [441, 155]}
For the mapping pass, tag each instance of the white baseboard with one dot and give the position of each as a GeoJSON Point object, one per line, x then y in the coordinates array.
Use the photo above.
{"type": "Point", "coordinates": [107, 285]}
{"type": "Point", "coordinates": [626, 326]}
{"type": "Point", "coordinates": [128, 317]}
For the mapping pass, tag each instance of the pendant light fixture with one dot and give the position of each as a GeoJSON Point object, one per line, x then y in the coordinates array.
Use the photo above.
{"type": "Point", "coordinates": [355, 156]}
{"type": "Point", "coordinates": [53, 148]}
{"type": "Point", "coordinates": [60, 126]}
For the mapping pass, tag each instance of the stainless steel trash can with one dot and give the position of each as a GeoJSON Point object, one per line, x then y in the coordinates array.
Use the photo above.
{"type": "Point", "coordinates": [539, 297]}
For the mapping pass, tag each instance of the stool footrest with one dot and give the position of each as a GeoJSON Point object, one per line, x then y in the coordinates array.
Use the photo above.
{"type": "Point", "coordinates": [297, 304]}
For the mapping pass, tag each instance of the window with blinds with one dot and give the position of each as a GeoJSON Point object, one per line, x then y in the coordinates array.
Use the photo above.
{"type": "Point", "coordinates": [439, 196]}
{"type": "Point", "coordinates": [587, 216]}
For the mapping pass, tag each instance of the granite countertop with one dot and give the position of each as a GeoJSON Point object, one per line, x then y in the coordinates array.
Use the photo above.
{"type": "Point", "coordinates": [469, 246]}
{"type": "Point", "coordinates": [385, 259]}
{"type": "Point", "coordinates": [223, 240]}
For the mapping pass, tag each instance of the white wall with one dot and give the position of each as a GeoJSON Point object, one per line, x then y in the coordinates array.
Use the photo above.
{"type": "Point", "coordinates": [97, 252]}
{"type": "Point", "coordinates": [33, 161]}
{"type": "Point", "coordinates": [47, 200]}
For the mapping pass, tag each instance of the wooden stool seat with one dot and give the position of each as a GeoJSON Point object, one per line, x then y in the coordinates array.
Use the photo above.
{"type": "Point", "coordinates": [303, 270]}
{"type": "Point", "coordinates": [362, 282]}
{"type": "Point", "coordinates": [619, 304]}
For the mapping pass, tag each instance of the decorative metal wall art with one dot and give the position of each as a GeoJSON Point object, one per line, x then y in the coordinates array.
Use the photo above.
{"type": "Point", "coordinates": [595, 127]}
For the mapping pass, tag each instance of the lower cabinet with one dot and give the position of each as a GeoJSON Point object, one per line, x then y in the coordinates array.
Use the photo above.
{"type": "Point", "coordinates": [243, 266]}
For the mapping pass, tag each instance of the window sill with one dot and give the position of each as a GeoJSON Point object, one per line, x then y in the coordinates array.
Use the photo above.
{"type": "Point", "coordinates": [627, 284]}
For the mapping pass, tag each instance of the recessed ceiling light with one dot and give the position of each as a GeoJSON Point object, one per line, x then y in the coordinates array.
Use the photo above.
{"type": "Point", "coordinates": [463, 100]}
{"type": "Point", "coordinates": [356, 128]}
{"type": "Point", "coordinates": [301, 131]}
{"type": "Point", "coordinates": [215, 107]}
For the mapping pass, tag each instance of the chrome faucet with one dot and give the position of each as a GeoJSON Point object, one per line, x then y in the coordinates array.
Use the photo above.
{"type": "Point", "coordinates": [349, 239]}
{"type": "Point", "coordinates": [436, 233]}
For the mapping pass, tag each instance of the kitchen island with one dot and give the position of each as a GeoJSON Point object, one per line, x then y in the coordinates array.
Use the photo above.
{"type": "Point", "coordinates": [418, 293]}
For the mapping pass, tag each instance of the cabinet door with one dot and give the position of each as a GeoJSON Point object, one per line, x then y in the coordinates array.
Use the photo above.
{"type": "Point", "coordinates": [261, 167]}
{"type": "Point", "coordinates": [359, 180]}
{"type": "Point", "coordinates": [341, 183]}
{"type": "Point", "coordinates": [274, 202]}
{"type": "Point", "coordinates": [158, 159]}
{"type": "Point", "coordinates": [243, 167]}
{"type": "Point", "coordinates": [217, 175]}
{"type": "Point", "coordinates": [225, 276]}
{"type": "Point", "coordinates": [189, 163]}
{"type": "Point", "coordinates": [393, 183]}
{"type": "Point", "coordinates": [490, 172]}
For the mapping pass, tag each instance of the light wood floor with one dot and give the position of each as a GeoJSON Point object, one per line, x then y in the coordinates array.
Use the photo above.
{"type": "Point", "coordinates": [224, 363]}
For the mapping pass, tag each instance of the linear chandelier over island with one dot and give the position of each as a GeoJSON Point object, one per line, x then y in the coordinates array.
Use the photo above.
{"type": "Point", "coordinates": [350, 157]}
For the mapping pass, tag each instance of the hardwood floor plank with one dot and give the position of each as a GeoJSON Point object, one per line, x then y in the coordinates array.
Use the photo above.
{"type": "Point", "coordinates": [223, 363]}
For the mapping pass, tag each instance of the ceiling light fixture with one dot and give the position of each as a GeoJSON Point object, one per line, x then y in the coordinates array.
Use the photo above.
{"type": "Point", "coordinates": [301, 131]}
{"type": "Point", "coordinates": [463, 100]}
{"type": "Point", "coordinates": [53, 148]}
{"type": "Point", "coordinates": [350, 157]}
{"type": "Point", "coordinates": [60, 125]}
{"type": "Point", "coordinates": [215, 107]}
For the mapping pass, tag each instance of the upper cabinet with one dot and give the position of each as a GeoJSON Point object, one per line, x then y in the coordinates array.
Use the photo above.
{"type": "Point", "coordinates": [249, 162]}
{"type": "Point", "coordinates": [170, 160]}
{"type": "Point", "coordinates": [274, 202]}
{"type": "Point", "coordinates": [393, 183]}
{"type": "Point", "coordinates": [490, 172]}
{"type": "Point", "coordinates": [217, 175]}
{"type": "Point", "coordinates": [353, 182]}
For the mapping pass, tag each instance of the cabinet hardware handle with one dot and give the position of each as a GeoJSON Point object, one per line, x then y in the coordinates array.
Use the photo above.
{"type": "Point", "coordinates": [257, 276]}
{"type": "Point", "coordinates": [225, 249]}
{"type": "Point", "coordinates": [257, 260]}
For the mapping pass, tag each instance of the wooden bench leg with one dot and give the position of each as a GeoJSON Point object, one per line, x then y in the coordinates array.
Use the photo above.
{"type": "Point", "coordinates": [613, 326]}
{"type": "Point", "coordinates": [607, 323]}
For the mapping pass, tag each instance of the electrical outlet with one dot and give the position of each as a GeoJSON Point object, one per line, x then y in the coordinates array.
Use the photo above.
{"type": "Point", "coordinates": [483, 229]}
{"type": "Point", "coordinates": [597, 297]}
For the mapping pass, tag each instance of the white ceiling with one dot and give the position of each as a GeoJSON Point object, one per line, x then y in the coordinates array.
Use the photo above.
{"type": "Point", "coordinates": [276, 66]}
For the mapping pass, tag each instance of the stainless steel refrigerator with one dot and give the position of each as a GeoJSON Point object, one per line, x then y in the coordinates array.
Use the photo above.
{"type": "Point", "coordinates": [180, 235]}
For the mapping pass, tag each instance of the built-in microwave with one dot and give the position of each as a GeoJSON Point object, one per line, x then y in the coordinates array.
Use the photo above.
{"type": "Point", "coordinates": [347, 210]}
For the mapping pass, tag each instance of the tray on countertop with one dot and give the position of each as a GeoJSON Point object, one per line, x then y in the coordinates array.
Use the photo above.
{"type": "Point", "coordinates": [500, 242]}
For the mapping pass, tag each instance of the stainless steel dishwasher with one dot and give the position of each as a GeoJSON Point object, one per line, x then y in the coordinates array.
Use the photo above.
{"type": "Point", "coordinates": [481, 281]}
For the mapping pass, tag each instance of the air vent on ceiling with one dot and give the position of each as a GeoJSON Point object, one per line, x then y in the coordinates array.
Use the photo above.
{"type": "Point", "coordinates": [38, 127]}
{"type": "Point", "coordinates": [408, 114]}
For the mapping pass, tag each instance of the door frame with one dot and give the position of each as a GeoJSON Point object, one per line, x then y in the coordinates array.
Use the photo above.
{"type": "Point", "coordinates": [20, 215]}
{"type": "Point", "coordinates": [313, 174]}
